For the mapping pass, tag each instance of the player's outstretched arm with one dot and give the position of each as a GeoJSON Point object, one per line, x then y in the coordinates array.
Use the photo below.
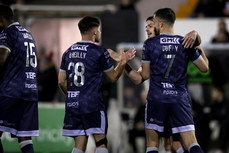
{"type": "Point", "coordinates": [62, 82]}
{"type": "Point", "coordinates": [202, 64]}
{"type": "Point", "coordinates": [4, 53]}
{"type": "Point", "coordinates": [137, 77]}
{"type": "Point", "coordinates": [191, 39]}
{"type": "Point", "coordinates": [114, 74]}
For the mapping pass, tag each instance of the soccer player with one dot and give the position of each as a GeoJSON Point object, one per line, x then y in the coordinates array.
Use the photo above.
{"type": "Point", "coordinates": [80, 78]}
{"type": "Point", "coordinates": [192, 38]}
{"type": "Point", "coordinates": [18, 84]}
{"type": "Point", "coordinates": [164, 61]}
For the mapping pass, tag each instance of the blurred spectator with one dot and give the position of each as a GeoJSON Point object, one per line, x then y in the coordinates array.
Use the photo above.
{"type": "Point", "coordinates": [139, 120]}
{"type": "Point", "coordinates": [46, 77]}
{"type": "Point", "coordinates": [222, 35]}
{"type": "Point", "coordinates": [210, 8]}
{"type": "Point", "coordinates": [130, 99]}
{"type": "Point", "coordinates": [219, 112]}
{"type": "Point", "coordinates": [10, 2]}
{"type": "Point", "coordinates": [127, 16]}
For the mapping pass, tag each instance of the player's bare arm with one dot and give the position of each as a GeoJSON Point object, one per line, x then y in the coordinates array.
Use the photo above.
{"type": "Point", "coordinates": [202, 64]}
{"type": "Point", "coordinates": [191, 39]}
{"type": "Point", "coordinates": [62, 81]}
{"type": "Point", "coordinates": [4, 53]}
{"type": "Point", "coordinates": [137, 77]}
{"type": "Point", "coordinates": [114, 74]}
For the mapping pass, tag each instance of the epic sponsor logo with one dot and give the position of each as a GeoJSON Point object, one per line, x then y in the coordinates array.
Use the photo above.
{"type": "Point", "coordinates": [170, 92]}
{"type": "Point", "coordinates": [30, 86]}
{"type": "Point", "coordinates": [73, 104]}
{"type": "Point", "coordinates": [169, 40]}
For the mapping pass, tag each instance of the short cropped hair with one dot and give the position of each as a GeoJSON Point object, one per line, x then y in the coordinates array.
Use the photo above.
{"type": "Point", "coordinates": [87, 23]}
{"type": "Point", "coordinates": [150, 18]}
{"type": "Point", "coordinates": [6, 12]}
{"type": "Point", "coordinates": [166, 14]}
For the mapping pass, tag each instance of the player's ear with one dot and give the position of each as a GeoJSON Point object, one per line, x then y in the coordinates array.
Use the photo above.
{"type": "Point", "coordinates": [94, 31]}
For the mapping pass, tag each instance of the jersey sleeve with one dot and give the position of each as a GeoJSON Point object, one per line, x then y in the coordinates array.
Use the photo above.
{"type": "Point", "coordinates": [194, 55]}
{"type": "Point", "coordinates": [106, 61]}
{"type": "Point", "coordinates": [4, 39]}
{"type": "Point", "coordinates": [63, 66]}
{"type": "Point", "coordinates": [145, 53]}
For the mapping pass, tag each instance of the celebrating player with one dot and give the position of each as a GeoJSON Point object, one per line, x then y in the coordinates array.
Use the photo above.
{"type": "Point", "coordinates": [164, 61]}
{"type": "Point", "coordinates": [18, 85]}
{"type": "Point", "coordinates": [80, 78]}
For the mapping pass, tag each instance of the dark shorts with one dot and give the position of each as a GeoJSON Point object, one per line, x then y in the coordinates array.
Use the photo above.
{"type": "Point", "coordinates": [179, 116]}
{"type": "Point", "coordinates": [86, 124]}
{"type": "Point", "coordinates": [19, 117]}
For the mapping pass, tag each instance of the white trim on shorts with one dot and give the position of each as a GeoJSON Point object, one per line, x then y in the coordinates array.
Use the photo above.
{"type": "Point", "coordinates": [183, 129]}
{"type": "Point", "coordinates": [72, 132]}
{"type": "Point", "coordinates": [101, 130]}
{"type": "Point", "coordinates": [20, 133]}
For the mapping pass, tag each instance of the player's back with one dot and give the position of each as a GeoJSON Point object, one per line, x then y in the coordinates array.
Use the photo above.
{"type": "Point", "coordinates": [84, 63]}
{"type": "Point", "coordinates": [168, 65]}
{"type": "Point", "coordinates": [20, 70]}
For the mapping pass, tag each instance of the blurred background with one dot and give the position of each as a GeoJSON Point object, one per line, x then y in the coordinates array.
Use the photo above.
{"type": "Point", "coordinates": [53, 23]}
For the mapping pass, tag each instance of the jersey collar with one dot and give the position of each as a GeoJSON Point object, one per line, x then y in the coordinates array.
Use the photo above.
{"type": "Point", "coordinates": [86, 41]}
{"type": "Point", "coordinates": [15, 23]}
{"type": "Point", "coordinates": [172, 34]}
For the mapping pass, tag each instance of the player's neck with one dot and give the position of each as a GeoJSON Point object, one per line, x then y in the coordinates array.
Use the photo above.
{"type": "Point", "coordinates": [88, 38]}
{"type": "Point", "coordinates": [167, 30]}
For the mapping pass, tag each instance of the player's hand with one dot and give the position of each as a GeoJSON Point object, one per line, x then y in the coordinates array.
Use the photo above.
{"type": "Point", "coordinates": [128, 55]}
{"type": "Point", "coordinates": [189, 39]}
{"type": "Point", "coordinates": [114, 55]}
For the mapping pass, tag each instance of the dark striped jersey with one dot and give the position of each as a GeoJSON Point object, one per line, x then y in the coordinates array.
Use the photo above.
{"type": "Point", "coordinates": [84, 63]}
{"type": "Point", "coordinates": [168, 61]}
{"type": "Point", "coordinates": [20, 70]}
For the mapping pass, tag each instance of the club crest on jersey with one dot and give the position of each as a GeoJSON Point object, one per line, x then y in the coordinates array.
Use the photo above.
{"type": "Point", "coordinates": [169, 40]}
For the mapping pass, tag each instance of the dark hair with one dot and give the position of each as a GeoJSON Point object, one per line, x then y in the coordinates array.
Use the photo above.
{"type": "Point", "coordinates": [6, 12]}
{"type": "Point", "coordinates": [87, 23]}
{"type": "Point", "coordinates": [149, 18]}
{"type": "Point", "coordinates": [166, 14]}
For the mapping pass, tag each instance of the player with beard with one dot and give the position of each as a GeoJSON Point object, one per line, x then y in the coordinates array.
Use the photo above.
{"type": "Point", "coordinates": [80, 78]}
{"type": "Point", "coordinates": [164, 61]}
{"type": "Point", "coordinates": [190, 39]}
{"type": "Point", "coordinates": [18, 84]}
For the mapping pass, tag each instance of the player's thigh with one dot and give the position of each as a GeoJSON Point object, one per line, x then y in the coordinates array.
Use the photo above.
{"type": "Point", "coordinates": [152, 138]}
{"type": "Point", "coordinates": [188, 138]}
